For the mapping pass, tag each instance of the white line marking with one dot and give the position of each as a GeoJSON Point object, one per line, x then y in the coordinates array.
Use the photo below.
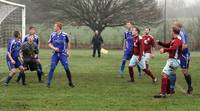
{"type": "Point", "coordinates": [180, 88]}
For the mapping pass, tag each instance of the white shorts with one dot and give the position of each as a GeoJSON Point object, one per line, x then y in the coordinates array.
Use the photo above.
{"type": "Point", "coordinates": [171, 66]}
{"type": "Point", "coordinates": [147, 57]}
{"type": "Point", "coordinates": [134, 61]}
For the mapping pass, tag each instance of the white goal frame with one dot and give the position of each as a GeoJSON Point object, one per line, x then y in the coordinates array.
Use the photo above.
{"type": "Point", "coordinates": [23, 14]}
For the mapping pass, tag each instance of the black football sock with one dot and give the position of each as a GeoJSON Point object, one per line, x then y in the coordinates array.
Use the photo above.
{"type": "Point", "coordinates": [188, 80]}
{"type": "Point", "coordinates": [40, 67]}
{"type": "Point", "coordinates": [8, 79]}
{"type": "Point", "coordinates": [39, 74]}
{"type": "Point", "coordinates": [68, 73]}
{"type": "Point", "coordinates": [23, 78]}
{"type": "Point", "coordinates": [19, 77]}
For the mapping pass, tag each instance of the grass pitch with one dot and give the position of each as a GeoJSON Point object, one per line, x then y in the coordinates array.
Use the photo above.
{"type": "Point", "coordinates": [97, 88]}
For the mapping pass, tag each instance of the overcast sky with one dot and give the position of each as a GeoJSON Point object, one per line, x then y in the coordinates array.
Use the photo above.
{"type": "Point", "coordinates": [181, 8]}
{"type": "Point", "coordinates": [188, 2]}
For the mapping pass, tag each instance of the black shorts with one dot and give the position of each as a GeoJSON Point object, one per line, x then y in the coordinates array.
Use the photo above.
{"type": "Point", "coordinates": [30, 64]}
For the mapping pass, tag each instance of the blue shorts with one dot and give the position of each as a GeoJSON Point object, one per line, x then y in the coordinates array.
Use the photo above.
{"type": "Point", "coordinates": [14, 66]}
{"type": "Point", "coordinates": [185, 61]}
{"type": "Point", "coordinates": [127, 55]}
{"type": "Point", "coordinates": [171, 66]}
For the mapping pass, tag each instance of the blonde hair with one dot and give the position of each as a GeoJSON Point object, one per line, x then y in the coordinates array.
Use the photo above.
{"type": "Point", "coordinates": [178, 24]}
{"type": "Point", "coordinates": [59, 24]}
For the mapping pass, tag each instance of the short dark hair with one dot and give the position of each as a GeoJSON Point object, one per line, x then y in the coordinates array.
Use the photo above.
{"type": "Point", "coordinates": [176, 30]}
{"type": "Point", "coordinates": [16, 34]}
{"type": "Point", "coordinates": [129, 21]}
{"type": "Point", "coordinates": [31, 27]}
{"type": "Point", "coordinates": [148, 28]}
{"type": "Point", "coordinates": [137, 29]}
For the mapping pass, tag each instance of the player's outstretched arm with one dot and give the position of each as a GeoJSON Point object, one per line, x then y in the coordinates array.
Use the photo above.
{"type": "Point", "coordinates": [163, 44]}
{"type": "Point", "coordinates": [173, 47]}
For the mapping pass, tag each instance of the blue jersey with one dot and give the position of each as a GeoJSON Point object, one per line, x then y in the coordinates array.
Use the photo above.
{"type": "Point", "coordinates": [59, 40]}
{"type": "Point", "coordinates": [185, 40]}
{"type": "Point", "coordinates": [14, 47]}
{"type": "Point", "coordinates": [128, 40]}
{"type": "Point", "coordinates": [35, 40]}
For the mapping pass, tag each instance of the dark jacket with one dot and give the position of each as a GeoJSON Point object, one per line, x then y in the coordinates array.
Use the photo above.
{"type": "Point", "coordinates": [97, 40]}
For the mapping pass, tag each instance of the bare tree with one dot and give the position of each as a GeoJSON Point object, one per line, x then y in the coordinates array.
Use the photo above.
{"type": "Point", "coordinates": [99, 14]}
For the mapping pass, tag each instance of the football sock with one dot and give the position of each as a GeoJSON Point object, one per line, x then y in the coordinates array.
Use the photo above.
{"type": "Point", "coordinates": [23, 77]}
{"type": "Point", "coordinates": [39, 74]}
{"type": "Point", "coordinates": [139, 70]}
{"type": "Point", "coordinates": [168, 86]}
{"type": "Point", "coordinates": [131, 73]}
{"type": "Point", "coordinates": [19, 77]}
{"type": "Point", "coordinates": [8, 79]}
{"type": "Point", "coordinates": [122, 67]}
{"type": "Point", "coordinates": [164, 85]}
{"type": "Point", "coordinates": [188, 80]}
{"type": "Point", "coordinates": [148, 72]}
{"type": "Point", "coordinates": [172, 81]}
{"type": "Point", "coordinates": [40, 67]}
{"type": "Point", "coordinates": [68, 73]}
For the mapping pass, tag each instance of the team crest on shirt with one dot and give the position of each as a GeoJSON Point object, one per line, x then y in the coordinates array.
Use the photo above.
{"type": "Point", "coordinates": [135, 43]}
{"type": "Point", "coordinates": [146, 41]}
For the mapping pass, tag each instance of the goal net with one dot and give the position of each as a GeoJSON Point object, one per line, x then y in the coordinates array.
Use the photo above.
{"type": "Point", "coordinates": [12, 17]}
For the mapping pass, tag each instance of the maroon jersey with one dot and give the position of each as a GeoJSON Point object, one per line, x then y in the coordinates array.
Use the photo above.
{"type": "Point", "coordinates": [148, 42]}
{"type": "Point", "coordinates": [174, 47]}
{"type": "Point", "coordinates": [137, 46]}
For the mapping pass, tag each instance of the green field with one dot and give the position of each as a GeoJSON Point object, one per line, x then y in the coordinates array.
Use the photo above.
{"type": "Point", "coordinates": [97, 88]}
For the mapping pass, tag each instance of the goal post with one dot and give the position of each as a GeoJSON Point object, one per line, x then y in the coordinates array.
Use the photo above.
{"type": "Point", "coordinates": [12, 17]}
